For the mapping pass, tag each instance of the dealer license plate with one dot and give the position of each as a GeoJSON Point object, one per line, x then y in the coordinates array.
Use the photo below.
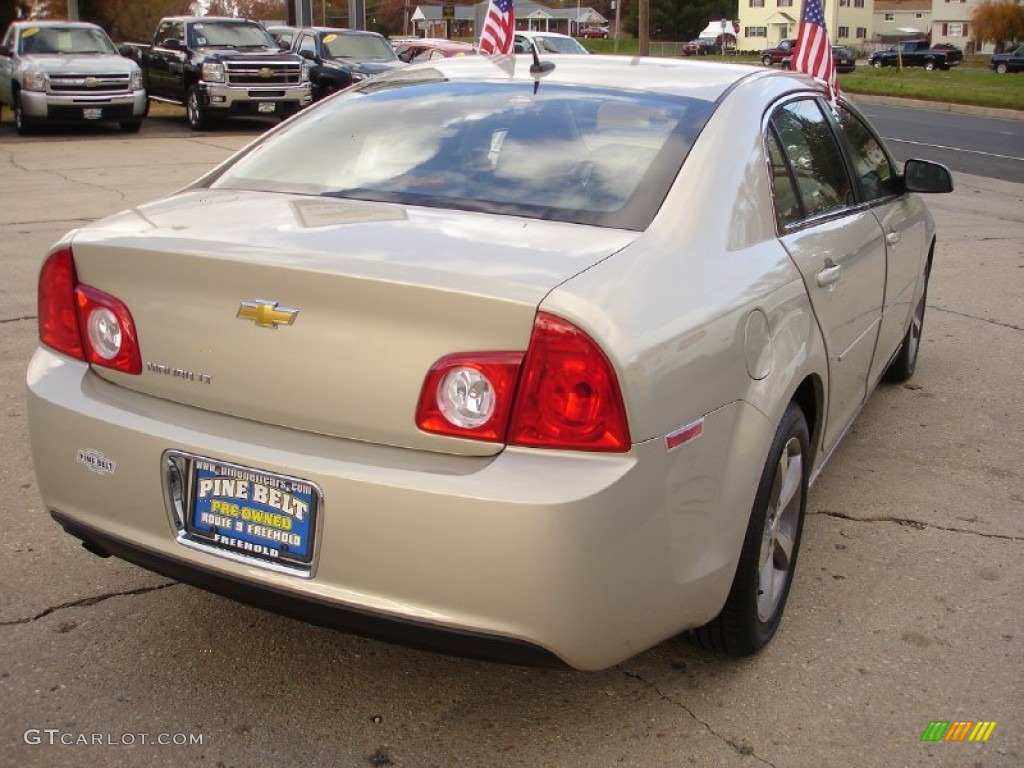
{"type": "Point", "coordinates": [267, 106]}
{"type": "Point", "coordinates": [92, 113]}
{"type": "Point", "coordinates": [252, 513]}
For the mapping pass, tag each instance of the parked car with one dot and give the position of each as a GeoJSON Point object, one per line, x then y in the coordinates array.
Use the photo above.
{"type": "Point", "coordinates": [425, 49]}
{"type": "Point", "coordinates": [1008, 62]}
{"type": "Point", "coordinates": [702, 46]}
{"type": "Point", "coordinates": [844, 59]}
{"type": "Point", "coordinates": [221, 67]}
{"type": "Point", "coordinates": [595, 33]}
{"type": "Point", "coordinates": [499, 367]}
{"type": "Point", "coordinates": [546, 42]}
{"type": "Point", "coordinates": [917, 53]}
{"type": "Point", "coordinates": [339, 57]}
{"type": "Point", "coordinates": [784, 50]}
{"type": "Point", "coordinates": [68, 72]}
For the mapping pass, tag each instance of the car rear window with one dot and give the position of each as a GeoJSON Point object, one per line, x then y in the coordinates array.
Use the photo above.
{"type": "Point", "coordinates": [568, 153]}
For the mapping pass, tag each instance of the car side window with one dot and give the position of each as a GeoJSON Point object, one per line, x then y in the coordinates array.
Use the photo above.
{"type": "Point", "coordinates": [784, 193]}
{"type": "Point", "coordinates": [307, 43]}
{"type": "Point", "coordinates": [871, 164]}
{"type": "Point", "coordinates": [162, 33]}
{"type": "Point", "coordinates": [817, 164]}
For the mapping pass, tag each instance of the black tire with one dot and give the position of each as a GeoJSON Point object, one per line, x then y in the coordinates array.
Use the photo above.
{"type": "Point", "coordinates": [929, 65]}
{"type": "Point", "coordinates": [195, 110]}
{"type": "Point", "coordinates": [904, 364]}
{"type": "Point", "coordinates": [131, 126]}
{"type": "Point", "coordinates": [752, 613]}
{"type": "Point", "coordinates": [877, 64]}
{"type": "Point", "coordinates": [1001, 68]}
{"type": "Point", "coordinates": [766, 60]}
{"type": "Point", "coordinates": [21, 123]}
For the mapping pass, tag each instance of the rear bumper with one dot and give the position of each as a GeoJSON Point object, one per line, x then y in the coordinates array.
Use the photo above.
{"type": "Point", "coordinates": [40, 105]}
{"type": "Point", "coordinates": [310, 609]}
{"type": "Point", "coordinates": [587, 558]}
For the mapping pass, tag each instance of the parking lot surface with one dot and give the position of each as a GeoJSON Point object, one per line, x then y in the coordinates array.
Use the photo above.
{"type": "Point", "coordinates": [905, 609]}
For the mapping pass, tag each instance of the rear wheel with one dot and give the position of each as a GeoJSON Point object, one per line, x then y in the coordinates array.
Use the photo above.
{"type": "Point", "coordinates": [764, 575]}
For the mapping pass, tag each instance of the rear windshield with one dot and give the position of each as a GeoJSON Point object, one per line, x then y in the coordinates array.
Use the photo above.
{"type": "Point", "coordinates": [566, 153]}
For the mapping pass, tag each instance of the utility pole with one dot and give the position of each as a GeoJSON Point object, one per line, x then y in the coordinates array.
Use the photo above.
{"type": "Point", "coordinates": [645, 28]}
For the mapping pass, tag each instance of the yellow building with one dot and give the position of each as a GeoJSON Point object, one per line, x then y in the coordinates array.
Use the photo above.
{"type": "Point", "coordinates": [764, 22]}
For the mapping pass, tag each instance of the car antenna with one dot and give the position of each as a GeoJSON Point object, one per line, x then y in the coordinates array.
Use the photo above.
{"type": "Point", "coordinates": [539, 68]}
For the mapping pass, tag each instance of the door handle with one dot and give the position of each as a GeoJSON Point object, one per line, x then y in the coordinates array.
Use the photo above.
{"type": "Point", "coordinates": [892, 238]}
{"type": "Point", "coordinates": [829, 275]}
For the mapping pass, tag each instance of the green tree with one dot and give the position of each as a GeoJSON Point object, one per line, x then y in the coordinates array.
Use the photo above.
{"type": "Point", "coordinates": [1001, 21]}
{"type": "Point", "coordinates": [130, 20]}
{"type": "Point", "coordinates": [678, 19]}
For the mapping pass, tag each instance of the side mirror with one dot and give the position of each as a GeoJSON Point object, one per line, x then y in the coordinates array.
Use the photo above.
{"type": "Point", "coordinates": [308, 55]}
{"type": "Point", "coordinates": [174, 44]}
{"type": "Point", "coordinates": [4, 50]}
{"type": "Point", "coordinates": [519, 48]}
{"type": "Point", "coordinates": [926, 176]}
{"type": "Point", "coordinates": [283, 46]}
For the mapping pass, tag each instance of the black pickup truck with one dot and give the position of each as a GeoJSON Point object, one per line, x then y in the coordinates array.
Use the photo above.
{"type": "Point", "coordinates": [222, 66]}
{"type": "Point", "coordinates": [917, 53]}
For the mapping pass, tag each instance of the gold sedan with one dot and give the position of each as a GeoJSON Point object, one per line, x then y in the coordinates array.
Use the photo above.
{"type": "Point", "coordinates": [535, 365]}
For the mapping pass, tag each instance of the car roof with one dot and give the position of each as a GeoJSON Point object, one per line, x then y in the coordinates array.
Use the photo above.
{"type": "Point", "coordinates": [678, 77]}
{"type": "Point", "coordinates": [187, 19]}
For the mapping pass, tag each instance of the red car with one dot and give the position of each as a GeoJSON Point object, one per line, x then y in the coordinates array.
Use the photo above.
{"type": "Point", "coordinates": [776, 55]}
{"type": "Point", "coordinates": [425, 49]}
{"type": "Point", "coordinates": [599, 33]}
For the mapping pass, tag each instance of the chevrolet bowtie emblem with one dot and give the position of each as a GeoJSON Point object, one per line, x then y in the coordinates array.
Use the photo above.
{"type": "Point", "coordinates": [266, 314]}
{"type": "Point", "coordinates": [91, 82]}
{"type": "Point", "coordinates": [266, 73]}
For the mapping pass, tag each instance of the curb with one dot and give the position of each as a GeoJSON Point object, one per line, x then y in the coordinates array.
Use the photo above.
{"type": "Point", "coordinates": [938, 106]}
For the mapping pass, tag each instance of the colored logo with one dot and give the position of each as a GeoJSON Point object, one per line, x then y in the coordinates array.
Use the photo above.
{"type": "Point", "coordinates": [958, 730]}
{"type": "Point", "coordinates": [266, 314]}
{"type": "Point", "coordinates": [266, 73]}
{"type": "Point", "coordinates": [91, 82]}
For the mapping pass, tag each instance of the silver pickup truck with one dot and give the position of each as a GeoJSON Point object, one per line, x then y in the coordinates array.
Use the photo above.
{"type": "Point", "coordinates": [70, 72]}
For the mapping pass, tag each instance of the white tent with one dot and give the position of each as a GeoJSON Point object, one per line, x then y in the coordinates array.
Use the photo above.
{"type": "Point", "coordinates": [716, 28]}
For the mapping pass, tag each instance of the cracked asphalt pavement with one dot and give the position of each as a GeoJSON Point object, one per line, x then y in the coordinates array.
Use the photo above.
{"type": "Point", "coordinates": [906, 607]}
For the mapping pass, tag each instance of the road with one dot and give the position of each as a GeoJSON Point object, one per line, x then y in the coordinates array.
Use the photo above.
{"type": "Point", "coordinates": [905, 608]}
{"type": "Point", "coordinates": [981, 146]}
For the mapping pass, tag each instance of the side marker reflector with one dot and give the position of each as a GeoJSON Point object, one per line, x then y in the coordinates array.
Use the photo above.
{"type": "Point", "coordinates": [685, 434]}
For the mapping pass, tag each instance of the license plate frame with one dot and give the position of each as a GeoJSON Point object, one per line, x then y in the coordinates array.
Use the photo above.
{"type": "Point", "coordinates": [244, 513]}
{"type": "Point", "coordinates": [92, 113]}
{"type": "Point", "coordinates": [266, 107]}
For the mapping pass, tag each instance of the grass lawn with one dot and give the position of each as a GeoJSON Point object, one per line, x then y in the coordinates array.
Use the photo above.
{"type": "Point", "coordinates": [973, 84]}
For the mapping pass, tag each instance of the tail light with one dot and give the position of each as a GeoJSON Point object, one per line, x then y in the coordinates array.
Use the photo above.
{"type": "Point", "coordinates": [563, 393]}
{"type": "Point", "coordinates": [82, 322]}
{"type": "Point", "coordinates": [469, 395]}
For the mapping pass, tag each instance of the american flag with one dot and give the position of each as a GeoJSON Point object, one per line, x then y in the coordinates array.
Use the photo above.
{"type": "Point", "coordinates": [499, 28]}
{"type": "Point", "coordinates": [813, 50]}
